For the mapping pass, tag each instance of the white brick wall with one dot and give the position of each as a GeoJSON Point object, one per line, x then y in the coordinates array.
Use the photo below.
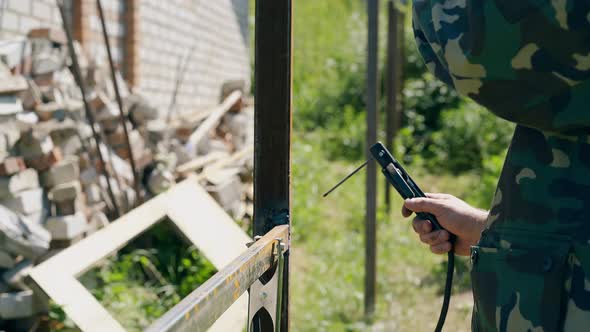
{"type": "Point", "coordinates": [218, 32]}
{"type": "Point", "coordinates": [216, 29]}
{"type": "Point", "coordinates": [114, 19]}
{"type": "Point", "coordinates": [17, 17]}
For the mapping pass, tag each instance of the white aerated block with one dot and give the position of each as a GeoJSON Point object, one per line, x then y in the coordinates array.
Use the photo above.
{"type": "Point", "coordinates": [19, 305]}
{"type": "Point", "coordinates": [65, 192]}
{"type": "Point", "coordinates": [26, 202]}
{"type": "Point", "coordinates": [64, 172]}
{"type": "Point", "coordinates": [11, 185]}
{"type": "Point", "coordinates": [66, 227]}
{"type": "Point", "coordinates": [6, 260]}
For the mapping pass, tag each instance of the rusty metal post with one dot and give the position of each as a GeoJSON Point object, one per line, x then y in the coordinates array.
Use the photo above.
{"type": "Point", "coordinates": [119, 103]}
{"type": "Point", "coordinates": [400, 62]}
{"type": "Point", "coordinates": [89, 115]}
{"type": "Point", "coordinates": [272, 130]}
{"type": "Point", "coordinates": [391, 88]}
{"type": "Point", "coordinates": [371, 181]}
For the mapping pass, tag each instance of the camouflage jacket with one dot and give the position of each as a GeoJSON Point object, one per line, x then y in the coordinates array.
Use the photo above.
{"type": "Point", "coordinates": [527, 61]}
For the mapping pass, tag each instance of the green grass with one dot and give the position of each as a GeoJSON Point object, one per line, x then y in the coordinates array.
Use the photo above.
{"type": "Point", "coordinates": [328, 252]}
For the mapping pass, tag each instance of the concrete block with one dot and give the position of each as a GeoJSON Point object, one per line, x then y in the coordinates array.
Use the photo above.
{"type": "Point", "coordinates": [33, 145]}
{"type": "Point", "coordinates": [48, 111]}
{"type": "Point", "coordinates": [10, 186]}
{"type": "Point", "coordinates": [97, 221]}
{"type": "Point", "coordinates": [93, 195]}
{"type": "Point", "coordinates": [65, 208]}
{"type": "Point", "coordinates": [37, 218]}
{"type": "Point", "coordinates": [47, 63]}
{"type": "Point", "coordinates": [55, 35]}
{"type": "Point", "coordinates": [63, 244]}
{"type": "Point", "coordinates": [10, 104]}
{"type": "Point", "coordinates": [11, 166]}
{"type": "Point", "coordinates": [98, 101]}
{"type": "Point", "coordinates": [15, 277]}
{"type": "Point", "coordinates": [20, 237]}
{"type": "Point", "coordinates": [88, 176]}
{"type": "Point", "coordinates": [26, 202]}
{"type": "Point", "coordinates": [20, 305]}
{"type": "Point", "coordinates": [46, 161]}
{"type": "Point", "coordinates": [12, 84]}
{"type": "Point", "coordinates": [67, 227]}
{"type": "Point", "coordinates": [6, 260]}
{"type": "Point", "coordinates": [228, 194]}
{"type": "Point", "coordinates": [65, 192]}
{"type": "Point", "coordinates": [63, 172]}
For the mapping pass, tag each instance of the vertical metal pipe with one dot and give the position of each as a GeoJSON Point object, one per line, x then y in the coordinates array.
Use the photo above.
{"type": "Point", "coordinates": [272, 127]}
{"type": "Point", "coordinates": [400, 61]}
{"type": "Point", "coordinates": [391, 88]}
{"type": "Point", "coordinates": [371, 180]}
{"type": "Point", "coordinates": [119, 102]}
{"type": "Point", "coordinates": [89, 115]}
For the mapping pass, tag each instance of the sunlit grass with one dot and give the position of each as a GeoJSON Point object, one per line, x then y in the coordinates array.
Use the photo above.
{"type": "Point", "coordinates": [328, 252]}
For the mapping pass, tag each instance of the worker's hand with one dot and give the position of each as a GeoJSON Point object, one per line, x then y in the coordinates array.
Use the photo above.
{"type": "Point", "coordinates": [458, 217]}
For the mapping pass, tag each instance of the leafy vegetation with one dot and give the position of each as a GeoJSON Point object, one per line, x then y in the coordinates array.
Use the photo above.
{"type": "Point", "coordinates": [145, 279]}
{"type": "Point", "coordinates": [448, 143]}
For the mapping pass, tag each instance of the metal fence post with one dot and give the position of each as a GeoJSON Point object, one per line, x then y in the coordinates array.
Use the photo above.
{"type": "Point", "coordinates": [272, 128]}
{"type": "Point", "coordinates": [371, 181]}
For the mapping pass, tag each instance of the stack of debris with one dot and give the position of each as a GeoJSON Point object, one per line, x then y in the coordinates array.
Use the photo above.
{"type": "Point", "coordinates": [53, 188]}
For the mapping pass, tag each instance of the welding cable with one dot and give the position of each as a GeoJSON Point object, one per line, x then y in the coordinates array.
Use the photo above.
{"type": "Point", "coordinates": [447, 293]}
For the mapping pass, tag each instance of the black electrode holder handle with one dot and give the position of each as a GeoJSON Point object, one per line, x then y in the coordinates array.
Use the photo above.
{"type": "Point", "coordinates": [400, 179]}
{"type": "Point", "coordinates": [407, 188]}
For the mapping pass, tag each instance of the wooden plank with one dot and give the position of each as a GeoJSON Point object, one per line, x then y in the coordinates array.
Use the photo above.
{"type": "Point", "coordinates": [200, 162]}
{"type": "Point", "coordinates": [57, 276]}
{"type": "Point", "coordinates": [230, 161]}
{"type": "Point", "coordinates": [371, 180]}
{"type": "Point", "coordinates": [204, 305]}
{"type": "Point", "coordinates": [272, 126]}
{"type": "Point", "coordinates": [212, 120]}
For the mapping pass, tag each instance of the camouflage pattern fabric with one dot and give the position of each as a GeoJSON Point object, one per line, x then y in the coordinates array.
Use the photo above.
{"type": "Point", "coordinates": [527, 61]}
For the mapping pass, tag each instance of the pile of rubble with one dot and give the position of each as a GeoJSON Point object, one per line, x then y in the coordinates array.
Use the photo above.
{"type": "Point", "coordinates": [53, 191]}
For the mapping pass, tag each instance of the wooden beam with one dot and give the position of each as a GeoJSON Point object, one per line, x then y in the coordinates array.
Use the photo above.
{"type": "Point", "coordinates": [57, 277]}
{"type": "Point", "coordinates": [272, 125]}
{"type": "Point", "coordinates": [371, 180]}
{"type": "Point", "coordinates": [212, 120]}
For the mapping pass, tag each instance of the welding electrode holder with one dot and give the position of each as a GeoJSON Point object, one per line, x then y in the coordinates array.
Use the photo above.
{"type": "Point", "coordinates": [407, 188]}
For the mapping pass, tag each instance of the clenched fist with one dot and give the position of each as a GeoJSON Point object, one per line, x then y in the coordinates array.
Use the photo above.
{"type": "Point", "coordinates": [456, 216]}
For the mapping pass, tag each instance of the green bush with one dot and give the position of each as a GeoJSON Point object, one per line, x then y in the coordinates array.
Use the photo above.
{"type": "Point", "coordinates": [146, 278]}
{"type": "Point", "coordinates": [469, 135]}
{"type": "Point", "coordinates": [328, 62]}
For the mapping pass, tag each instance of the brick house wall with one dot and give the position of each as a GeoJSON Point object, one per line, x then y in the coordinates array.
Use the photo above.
{"type": "Point", "coordinates": [216, 31]}
{"type": "Point", "coordinates": [149, 37]}
{"type": "Point", "coordinates": [17, 17]}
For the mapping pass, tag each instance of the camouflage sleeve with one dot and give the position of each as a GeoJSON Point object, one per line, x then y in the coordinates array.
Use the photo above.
{"type": "Point", "coordinates": [433, 61]}
{"type": "Point", "coordinates": [526, 61]}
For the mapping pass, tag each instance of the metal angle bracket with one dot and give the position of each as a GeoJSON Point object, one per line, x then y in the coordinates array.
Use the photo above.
{"type": "Point", "coordinates": [268, 295]}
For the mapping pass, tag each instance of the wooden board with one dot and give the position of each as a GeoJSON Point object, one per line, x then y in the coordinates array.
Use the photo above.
{"type": "Point", "coordinates": [195, 214]}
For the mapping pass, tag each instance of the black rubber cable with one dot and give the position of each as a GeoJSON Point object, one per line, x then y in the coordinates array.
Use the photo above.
{"type": "Point", "coordinates": [447, 294]}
